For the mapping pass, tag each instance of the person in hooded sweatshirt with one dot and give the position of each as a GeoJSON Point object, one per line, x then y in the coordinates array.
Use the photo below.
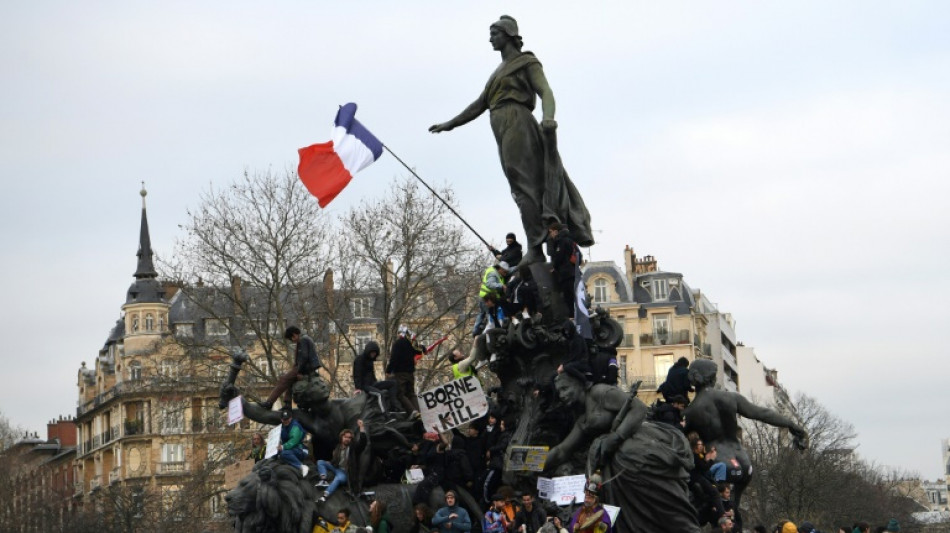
{"type": "Point", "coordinates": [364, 378]}
{"type": "Point", "coordinates": [677, 381]}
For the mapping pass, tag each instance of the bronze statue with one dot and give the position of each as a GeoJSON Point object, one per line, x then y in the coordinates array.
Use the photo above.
{"type": "Point", "coordinates": [539, 184]}
{"type": "Point", "coordinates": [645, 463]}
{"type": "Point", "coordinates": [713, 413]}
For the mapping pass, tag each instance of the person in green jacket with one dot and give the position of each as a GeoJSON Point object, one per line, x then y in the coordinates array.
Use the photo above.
{"type": "Point", "coordinates": [291, 449]}
{"type": "Point", "coordinates": [378, 518]}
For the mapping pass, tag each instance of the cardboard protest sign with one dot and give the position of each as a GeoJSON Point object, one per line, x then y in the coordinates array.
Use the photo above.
{"type": "Point", "coordinates": [452, 404]}
{"type": "Point", "coordinates": [526, 458]}
{"type": "Point", "coordinates": [235, 411]}
{"type": "Point", "coordinates": [273, 440]}
{"type": "Point", "coordinates": [563, 490]}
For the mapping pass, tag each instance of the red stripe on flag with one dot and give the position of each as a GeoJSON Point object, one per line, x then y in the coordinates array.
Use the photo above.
{"type": "Point", "coordinates": [322, 172]}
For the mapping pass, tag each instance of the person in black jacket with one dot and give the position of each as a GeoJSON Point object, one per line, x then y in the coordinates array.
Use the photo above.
{"type": "Point", "coordinates": [512, 252]}
{"type": "Point", "coordinates": [306, 363]}
{"type": "Point", "coordinates": [677, 381]}
{"type": "Point", "coordinates": [605, 367]}
{"type": "Point", "coordinates": [364, 378]}
{"type": "Point", "coordinates": [496, 459]}
{"type": "Point", "coordinates": [561, 248]}
{"type": "Point", "coordinates": [530, 517]}
{"type": "Point", "coordinates": [402, 367]}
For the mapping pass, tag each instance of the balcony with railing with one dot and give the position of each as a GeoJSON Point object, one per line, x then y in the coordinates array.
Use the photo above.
{"type": "Point", "coordinates": [171, 467]}
{"type": "Point", "coordinates": [156, 383]}
{"type": "Point", "coordinates": [663, 338]}
{"type": "Point", "coordinates": [648, 382]}
{"type": "Point", "coordinates": [135, 427]}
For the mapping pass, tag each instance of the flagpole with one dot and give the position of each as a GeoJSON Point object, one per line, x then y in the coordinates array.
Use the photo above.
{"type": "Point", "coordinates": [446, 204]}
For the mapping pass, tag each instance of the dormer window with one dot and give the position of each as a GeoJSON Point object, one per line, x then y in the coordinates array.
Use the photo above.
{"type": "Point", "coordinates": [661, 290]}
{"type": "Point", "coordinates": [360, 307]}
{"type": "Point", "coordinates": [600, 291]}
{"type": "Point", "coordinates": [215, 327]}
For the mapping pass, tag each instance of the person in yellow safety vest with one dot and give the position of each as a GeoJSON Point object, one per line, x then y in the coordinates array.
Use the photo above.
{"type": "Point", "coordinates": [493, 284]}
{"type": "Point", "coordinates": [464, 366]}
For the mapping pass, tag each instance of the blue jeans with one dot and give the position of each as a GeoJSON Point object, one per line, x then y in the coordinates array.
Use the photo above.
{"type": "Point", "coordinates": [718, 471]}
{"type": "Point", "coordinates": [294, 457]}
{"type": "Point", "coordinates": [339, 476]}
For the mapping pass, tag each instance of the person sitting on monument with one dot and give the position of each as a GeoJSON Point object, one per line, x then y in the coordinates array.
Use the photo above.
{"type": "Point", "coordinates": [591, 517]}
{"type": "Point", "coordinates": [677, 381]}
{"type": "Point", "coordinates": [445, 467]}
{"type": "Point", "coordinates": [291, 449]}
{"type": "Point", "coordinates": [521, 296]}
{"type": "Point", "coordinates": [512, 252]}
{"type": "Point", "coordinates": [364, 378]}
{"type": "Point", "coordinates": [344, 460]}
{"type": "Point", "coordinates": [343, 524]}
{"type": "Point", "coordinates": [452, 518]}
{"type": "Point", "coordinates": [670, 412]}
{"type": "Point", "coordinates": [578, 352]}
{"type": "Point", "coordinates": [306, 363]}
{"type": "Point", "coordinates": [402, 368]}
{"type": "Point", "coordinates": [564, 256]}
{"type": "Point", "coordinates": [604, 367]}
{"type": "Point", "coordinates": [709, 506]}
{"type": "Point", "coordinates": [493, 285]}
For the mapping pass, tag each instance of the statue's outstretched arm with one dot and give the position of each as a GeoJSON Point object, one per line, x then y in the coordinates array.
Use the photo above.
{"type": "Point", "coordinates": [560, 453]}
{"type": "Point", "coordinates": [750, 410]}
{"type": "Point", "coordinates": [470, 113]}
{"type": "Point", "coordinates": [540, 84]}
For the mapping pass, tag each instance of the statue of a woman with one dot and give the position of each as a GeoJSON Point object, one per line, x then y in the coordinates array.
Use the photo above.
{"type": "Point", "coordinates": [539, 184]}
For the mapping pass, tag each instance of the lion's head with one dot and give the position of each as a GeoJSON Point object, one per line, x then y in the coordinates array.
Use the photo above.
{"type": "Point", "coordinates": [272, 498]}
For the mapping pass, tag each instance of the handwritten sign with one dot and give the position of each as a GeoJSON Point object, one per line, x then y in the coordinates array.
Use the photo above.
{"type": "Point", "coordinates": [235, 411]}
{"type": "Point", "coordinates": [563, 490]}
{"type": "Point", "coordinates": [526, 458]}
{"type": "Point", "coordinates": [273, 440]}
{"type": "Point", "coordinates": [452, 404]}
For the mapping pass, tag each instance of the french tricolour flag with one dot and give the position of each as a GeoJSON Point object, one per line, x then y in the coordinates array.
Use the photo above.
{"type": "Point", "coordinates": [326, 168]}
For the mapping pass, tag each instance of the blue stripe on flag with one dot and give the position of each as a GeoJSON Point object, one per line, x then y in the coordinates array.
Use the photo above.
{"type": "Point", "coordinates": [346, 119]}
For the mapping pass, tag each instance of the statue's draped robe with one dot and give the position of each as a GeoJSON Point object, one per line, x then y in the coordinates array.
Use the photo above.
{"type": "Point", "coordinates": [539, 184]}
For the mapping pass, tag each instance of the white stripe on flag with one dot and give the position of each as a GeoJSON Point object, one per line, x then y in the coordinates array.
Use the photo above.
{"type": "Point", "coordinates": [353, 153]}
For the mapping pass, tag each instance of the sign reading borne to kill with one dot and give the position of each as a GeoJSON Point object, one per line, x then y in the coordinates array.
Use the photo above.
{"type": "Point", "coordinates": [452, 404]}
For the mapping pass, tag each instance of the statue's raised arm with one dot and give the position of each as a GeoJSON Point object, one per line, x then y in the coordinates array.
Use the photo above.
{"type": "Point", "coordinates": [539, 184]}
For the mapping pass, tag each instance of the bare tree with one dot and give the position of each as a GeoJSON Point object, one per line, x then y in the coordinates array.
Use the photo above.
{"type": "Point", "coordinates": [250, 253]}
{"type": "Point", "coordinates": [827, 484]}
{"type": "Point", "coordinates": [407, 257]}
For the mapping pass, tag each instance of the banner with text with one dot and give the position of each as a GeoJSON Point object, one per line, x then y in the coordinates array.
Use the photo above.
{"type": "Point", "coordinates": [526, 458]}
{"type": "Point", "coordinates": [563, 490]}
{"type": "Point", "coordinates": [452, 404]}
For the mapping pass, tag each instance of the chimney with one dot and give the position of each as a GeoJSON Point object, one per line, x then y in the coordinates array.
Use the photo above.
{"type": "Point", "coordinates": [328, 288]}
{"type": "Point", "coordinates": [647, 264]}
{"type": "Point", "coordinates": [629, 258]}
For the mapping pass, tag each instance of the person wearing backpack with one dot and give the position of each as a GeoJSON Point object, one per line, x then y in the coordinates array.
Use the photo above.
{"type": "Point", "coordinates": [564, 256]}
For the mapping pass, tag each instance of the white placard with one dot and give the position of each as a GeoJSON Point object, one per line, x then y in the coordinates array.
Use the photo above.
{"type": "Point", "coordinates": [563, 490]}
{"type": "Point", "coordinates": [612, 512]}
{"type": "Point", "coordinates": [235, 411]}
{"type": "Point", "coordinates": [414, 475]}
{"type": "Point", "coordinates": [452, 404]}
{"type": "Point", "coordinates": [273, 440]}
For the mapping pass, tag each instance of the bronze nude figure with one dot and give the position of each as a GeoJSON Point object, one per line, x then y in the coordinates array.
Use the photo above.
{"type": "Point", "coordinates": [528, 151]}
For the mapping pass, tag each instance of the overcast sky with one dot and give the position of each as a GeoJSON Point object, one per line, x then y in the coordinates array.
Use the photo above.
{"type": "Point", "coordinates": [791, 159]}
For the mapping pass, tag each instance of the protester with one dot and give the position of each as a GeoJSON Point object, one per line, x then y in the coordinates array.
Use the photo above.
{"type": "Point", "coordinates": [677, 381]}
{"type": "Point", "coordinates": [402, 366]}
{"type": "Point", "coordinates": [493, 285]}
{"type": "Point", "coordinates": [530, 517]}
{"type": "Point", "coordinates": [563, 252]}
{"type": "Point", "coordinates": [496, 460]}
{"type": "Point", "coordinates": [591, 517]}
{"type": "Point", "coordinates": [378, 519]}
{"type": "Point", "coordinates": [291, 449]}
{"type": "Point", "coordinates": [512, 252]}
{"type": "Point", "coordinates": [604, 366]}
{"type": "Point", "coordinates": [893, 526]}
{"type": "Point", "coordinates": [725, 525]}
{"type": "Point", "coordinates": [258, 447]}
{"type": "Point", "coordinates": [495, 520]}
{"type": "Point", "coordinates": [421, 519]}
{"type": "Point", "coordinates": [343, 461]}
{"type": "Point", "coordinates": [306, 363]}
{"type": "Point", "coordinates": [343, 524]}
{"type": "Point", "coordinates": [364, 377]}
{"type": "Point", "coordinates": [452, 518]}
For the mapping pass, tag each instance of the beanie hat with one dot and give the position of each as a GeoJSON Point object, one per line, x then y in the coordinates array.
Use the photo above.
{"type": "Point", "coordinates": [806, 527]}
{"type": "Point", "coordinates": [789, 528]}
{"type": "Point", "coordinates": [511, 236]}
{"type": "Point", "coordinates": [893, 525]}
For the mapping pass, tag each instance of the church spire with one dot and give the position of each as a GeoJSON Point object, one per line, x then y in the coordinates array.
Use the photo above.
{"type": "Point", "coordinates": [145, 269]}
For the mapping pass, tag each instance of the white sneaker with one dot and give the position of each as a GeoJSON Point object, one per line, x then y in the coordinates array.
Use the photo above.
{"type": "Point", "coordinates": [304, 470]}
